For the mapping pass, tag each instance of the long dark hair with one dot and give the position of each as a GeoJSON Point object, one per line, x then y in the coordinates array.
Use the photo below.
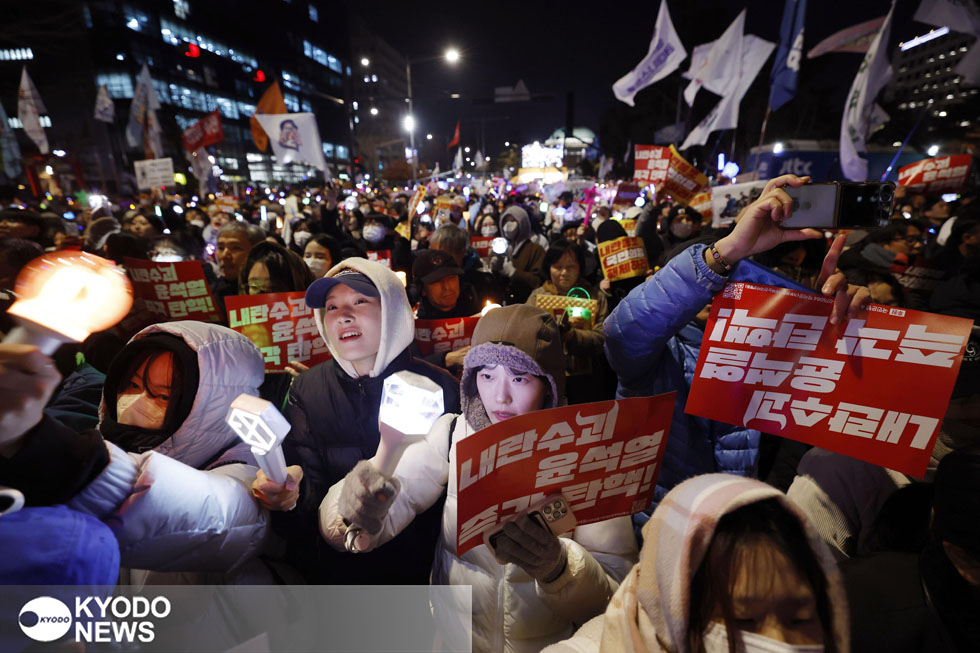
{"type": "Point", "coordinates": [714, 581]}
{"type": "Point", "coordinates": [176, 412]}
{"type": "Point", "coordinates": [287, 270]}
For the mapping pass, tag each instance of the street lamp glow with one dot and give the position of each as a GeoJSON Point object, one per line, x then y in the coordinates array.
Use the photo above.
{"type": "Point", "coordinates": [374, 111]}
{"type": "Point", "coordinates": [365, 61]}
{"type": "Point", "coordinates": [58, 153]}
{"type": "Point", "coordinates": [933, 150]}
{"type": "Point", "coordinates": [428, 137]}
{"type": "Point", "coordinates": [466, 149]}
{"type": "Point", "coordinates": [506, 143]}
{"type": "Point", "coordinates": [777, 148]}
{"type": "Point", "coordinates": [452, 55]}
{"type": "Point", "coordinates": [408, 123]}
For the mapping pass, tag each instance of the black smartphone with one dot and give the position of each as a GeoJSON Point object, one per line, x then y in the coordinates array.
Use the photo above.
{"type": "Point", "coordinates": [840, 205]}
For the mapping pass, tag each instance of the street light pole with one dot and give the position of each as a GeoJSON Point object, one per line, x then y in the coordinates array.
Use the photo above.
{"type": "Point", "coordinates": [411, 113]}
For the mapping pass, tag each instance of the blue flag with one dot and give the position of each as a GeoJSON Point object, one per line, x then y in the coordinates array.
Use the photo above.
{"type": "Point", "coordinates": [787, 66]}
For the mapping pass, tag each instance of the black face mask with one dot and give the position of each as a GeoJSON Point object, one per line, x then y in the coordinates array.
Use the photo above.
{"type": "Point", "coordinates": [138, 439]}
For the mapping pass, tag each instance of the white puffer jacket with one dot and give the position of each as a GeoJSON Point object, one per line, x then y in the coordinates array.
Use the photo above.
{"type": "Point", "coordinates": [168, 511]}
{"type": "Point", "coordinates": [511, 611]}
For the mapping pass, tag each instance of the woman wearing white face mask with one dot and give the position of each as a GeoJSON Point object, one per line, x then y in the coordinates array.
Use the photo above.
{"type": "Point", "coordinates": [380, 241]}
{"type": "Point", "coordinates": [321, 254]}
{"type": "Point", "coordinates": [724, 558]}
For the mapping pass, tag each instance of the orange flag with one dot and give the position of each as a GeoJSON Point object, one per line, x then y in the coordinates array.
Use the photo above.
{"type": "Point", "coordinates": [453, 143]}
{"type": "Point", "coordinates": [271, 102]}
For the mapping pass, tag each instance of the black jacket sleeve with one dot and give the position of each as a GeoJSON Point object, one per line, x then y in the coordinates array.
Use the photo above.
{"type": "Point", "coordinates": [55, 463]}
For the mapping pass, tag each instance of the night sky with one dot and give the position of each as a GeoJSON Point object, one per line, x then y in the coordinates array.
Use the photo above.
{"type": "Point", "coordinates": [586, 46]}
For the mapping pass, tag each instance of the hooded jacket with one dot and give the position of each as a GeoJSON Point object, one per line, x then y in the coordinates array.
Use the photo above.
{"type": "Point", "coordinates": [334, 419]}
{"type": "Point", "coordinates": [653, 345]}
{"type": "Point", "coordinates": [186, 505]}
{"type": "Point", "coordinates": [511, 610]}
{"type": "Point", "coordinates": [526, 256]}
{"type": "Point", "coordinates": [651, 609]}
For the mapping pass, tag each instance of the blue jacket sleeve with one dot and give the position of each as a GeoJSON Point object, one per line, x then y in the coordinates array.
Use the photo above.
{"type": "Point", "coordinates": [638, 329]}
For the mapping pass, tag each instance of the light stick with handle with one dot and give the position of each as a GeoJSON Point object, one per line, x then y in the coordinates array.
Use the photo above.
{"type": "Point", "coordinates": [66, 296]}
{"type": "Point", "coordinates": [410, 405]}
{"type": "Point", "coordinates": [262, 427]}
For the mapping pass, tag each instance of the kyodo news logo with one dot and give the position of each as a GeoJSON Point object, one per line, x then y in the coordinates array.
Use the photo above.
{"type": "Point", "coordinates": [95, 618]}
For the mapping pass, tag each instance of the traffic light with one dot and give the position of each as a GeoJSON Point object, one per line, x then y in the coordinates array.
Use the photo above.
{"type": "Point", "coordinates": [259, 76]}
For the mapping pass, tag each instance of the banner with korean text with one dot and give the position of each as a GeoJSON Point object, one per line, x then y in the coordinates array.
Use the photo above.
{"type": "Point", "coordinates": [874, 388]}
{"type": "Point", "coordinates": [176, 291]}
{"type": "Point", "coordinates": [482, 245]}
{"type": "Point", "coordinates": [944, 174]}
{"type": "Point", "coordinates": [281, 325]}
{"type": "Point", "coordinates": [450, 334]}
{"type": "Point", "coordinates": [206, 131]}
{"type": "Point", "coordinates": [382, 256]}
{"type": "Point", "coordinates": [623, 258]}
{"type": "Point", "coordinates": [603, 457]}
{"type": "Point", "coordinates": [668, 171]}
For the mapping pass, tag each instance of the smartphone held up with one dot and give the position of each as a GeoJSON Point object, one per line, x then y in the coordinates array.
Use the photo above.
{"type": "Point", "coordinates": [840, 205]}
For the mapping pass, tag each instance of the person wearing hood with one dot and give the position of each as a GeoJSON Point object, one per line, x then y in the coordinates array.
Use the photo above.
{"type": "Point", "coordinates": [725, 561]}
{"type": "Point", "coordinates": [363, 315]}
{"type": "Point", "coordinates": [523, 263]}
{"type": "Point", "coordinates": [653, 337]}
{"type": "Point", "coordinates": [548, 584]}
{"type": "Point", "coordinates": [163, 469]}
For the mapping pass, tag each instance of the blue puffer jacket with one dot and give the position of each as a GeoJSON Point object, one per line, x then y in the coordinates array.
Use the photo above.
{"type": "Point", "coordinates": [653, 345]}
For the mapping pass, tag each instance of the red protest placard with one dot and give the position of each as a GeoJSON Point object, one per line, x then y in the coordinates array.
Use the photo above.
{"type": "Point", "coordinates": [482, 245]}
{"type": "Point", "coordinates": [623, 258]}
{"type": "Point", "coordinates": [382, 256]}
{"type": "Point", "coordinates": [204, 132]}
{"type": "Point", "coordinates": [650, 164]}
{"type": "Point", "coordinates": [414, 202]}
{"type": "Point", "coordinates": [944, 174]}
{"type": "Point", "coordinates": [668, 170]}
{"type": "Point", "coordinates": [874, 388]}
{"type": "Point", "coordinates": [177, 291]}
{"type": "Point", "coordinates": [281, 325]}
{"type": "Point", "coordinates": [449, 334]}
{"type": "Point", "coordinates": [603, 457]}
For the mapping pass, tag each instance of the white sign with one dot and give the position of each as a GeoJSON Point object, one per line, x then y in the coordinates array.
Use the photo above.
{"type": "Point", "coordinates": [154, 173]}
{"type": "Point", "coordinates": [536, 155]}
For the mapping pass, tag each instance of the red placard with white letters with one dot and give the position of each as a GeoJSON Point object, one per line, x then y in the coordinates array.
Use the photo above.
{"type": "Point", "coordinates": [382, 256]}
{"type": "Point", "coordinates": [603, 457]}
{"type": "Point", "coordinates": [281, 325]}
{"type": "Point", "coordinates": [444, 335]}
{"type": "Point", "coordinates": [874, 388]}
{"type": "Point", "coordinates": [176, 291]}
{"type": "Point", "coordinates": [482, 245]}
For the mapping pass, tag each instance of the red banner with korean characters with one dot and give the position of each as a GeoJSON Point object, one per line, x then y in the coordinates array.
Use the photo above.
{"type": "Point", "coordinates": [450, 334]}
{"type": "Point", "coordinates": [206, 131]}
{"type": "Point", "coordinates": [623, 258]}
{"type": "Point", "coordinates": [603, 457]}
{"type": "Point", "coordinates": [669, 171]}
{"type": "Point", "coordinates": [874, 388]}
{"type": "Point", "coordinates": [281, 325]}
{"type": "Point", "coordinates": [382, 256]}
{"type": "Point", "coordinates": [650, 163]}
{"type": "Point", "coordinates": [482, 245]}
{"type": "Point", "coordinates": [944, 174]}
{"type": "Point", "coordinates": [176, 291]}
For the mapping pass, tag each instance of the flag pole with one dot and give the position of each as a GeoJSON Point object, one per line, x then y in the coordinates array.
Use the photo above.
{"type": "Point", "coordinates": [762, 134]}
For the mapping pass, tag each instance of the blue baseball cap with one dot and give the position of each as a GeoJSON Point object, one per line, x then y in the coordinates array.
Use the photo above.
{"type": "Point", "coordinates": [316, 294]}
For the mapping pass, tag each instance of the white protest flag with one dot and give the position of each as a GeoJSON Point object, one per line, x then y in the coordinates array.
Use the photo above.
{"type": "Point", "coordinates": [872, 75]}
{"type": "Point", "coordinates": [143, 126]}
{"type": "Point", "coordinates": [699, 57]}
{"type": "Point", "coordinates": [458, 162]}
{"type": "Point", "coordinates": [961, 17]}
{"type": "Point", "coordinates": [294, 138]}
{"type": "Point", "coordinates": [29, 109]}
{"type": "Point", "coordinates": [720, 69]}
{"type": "Point", "coordinates": [10, 158]}
{"type": "Point", "coordinates": [605, 166]}
{"type": "Point", "coordinates": [481, 163]}
{"type": "Point", "coordinates": [755, 52]}
{"type": "Point", "coordinates": [665, 54]}
{"type": "Point", "coordinates": [105, 110]}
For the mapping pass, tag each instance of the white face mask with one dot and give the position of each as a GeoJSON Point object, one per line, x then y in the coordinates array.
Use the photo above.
{"type": "Point", "coordinates": [317, 265]}
{"type": "Point", "coordinates": [510, 229]}
{"type": "Point", "coordinates": [140, 410]}
{"type": "Point", "coordinates": [373, 233]}
{"type": "Point", "coordinates": [681, 229]}
{"type": "Point", "coordinates": [300, 237]}
{"type": "Point", "coordinates": [198, 223]}
{"type": "Point", "coordinates": [716, 641]}
{"type": "Point", "coordinates": [488, 230]}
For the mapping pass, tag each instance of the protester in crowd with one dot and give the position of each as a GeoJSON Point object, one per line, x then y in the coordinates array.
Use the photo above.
{"type": "Point", "coordinates": [321, 253]}
{"type": "Point", "coordinates": [378, 236]}
{"type": "Point", "coordinates": [486, 223]}
{"type": "Point", "coordinates": [884, 250]}
{"type": "Point", "coordinates": [216, 220]}
{"type": "Point", "coordinates": [170, 478]}
{"type": "Point", "coordinates": [15, 253]}
{"type": "Point", "coordinates": [364, 317]}
{"type": "Point", "coordinates": [542, 585]}
{"type": "Point", "coordinates": [582, 337]}
{"type": "Point", "coordinates": [963, 244]}
{"type": "Point", "coordinates": [926, 601]}
{"type": "Point", "coordinates": [178, 246]}
{"type": "Point", "coordinates": [521, 267]}
{"type": "Point", "coordinates": [271, 268]}
{"type": "Point", "coordinates": [583, 236]}
{"type": "Point", "coordinates": [683, 223]}
{"type": "Point", "coordinates": [98, 231]}
{"type": "Point", "coordinates": [235, 239]}
{"type": "Point", "coordinates": [884, 288]}
{"type": "Point", "coordinates": [602, 214]}
{"type": "Point", "coordinates": [441, 292]}
{"type": "Point", "coordinates": [122, 245]}
{"type": "Point", "coordinates": [455, 242]}
{"type": "Point", "coordinates": [17, 223]}
{"type": "Point", "coordinates": [727, 564]}
{"type": "Point", "coordinates": [146, 227]}
{"type": "Point", "coordinates": [654, 335]}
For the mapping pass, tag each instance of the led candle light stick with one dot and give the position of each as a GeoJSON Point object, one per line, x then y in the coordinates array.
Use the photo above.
{"type": "Point", "coordinates": [65, 297]}
{"type": "Point", "coordinates": [410, 405]}
{"type": "Point", "coordinates": [262, 427]}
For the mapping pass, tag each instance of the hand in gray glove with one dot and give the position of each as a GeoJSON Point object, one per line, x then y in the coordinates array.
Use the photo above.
{"type": "Point", "coordinates": [508, 268]}
{"type": "Point", "coordinates": [366, 497]}
{"type": "Point", "coordinates": [532, 548]}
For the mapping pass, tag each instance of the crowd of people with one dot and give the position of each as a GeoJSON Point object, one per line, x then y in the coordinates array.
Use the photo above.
{"type": "Point", "coordinates": [753, 542]}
